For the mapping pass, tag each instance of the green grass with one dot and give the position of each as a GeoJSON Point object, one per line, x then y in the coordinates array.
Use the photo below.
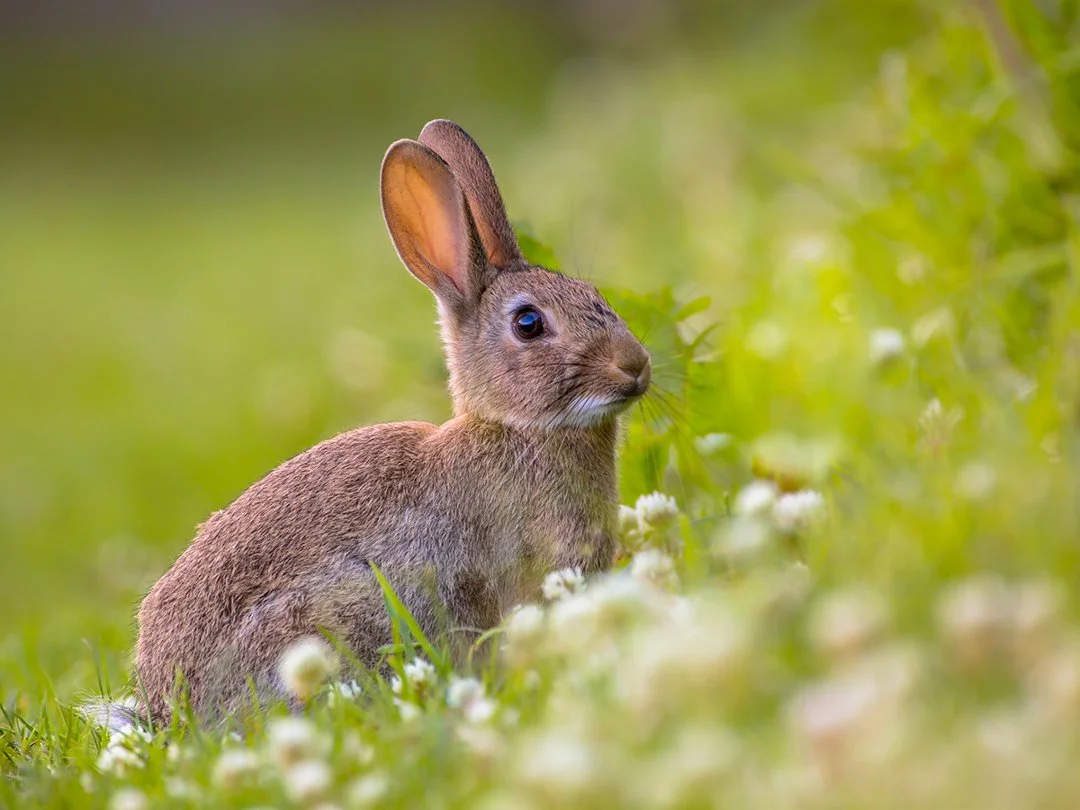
{"type": "Point", "coordinates": [191, 300]}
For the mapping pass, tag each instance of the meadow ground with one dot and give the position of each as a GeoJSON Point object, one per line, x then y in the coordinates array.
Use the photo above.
{"type": "Point", "coordinates": [848, 237]}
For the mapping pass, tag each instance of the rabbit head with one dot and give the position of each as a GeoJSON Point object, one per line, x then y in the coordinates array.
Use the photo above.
{"type": "Point", "coordinates": [526, 346]}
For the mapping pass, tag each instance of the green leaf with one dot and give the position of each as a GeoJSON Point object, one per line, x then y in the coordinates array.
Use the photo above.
{"type": "Point", "coordinates": [535, 251]}
{"type": "Point", "coordinates": [692, 308]}
{"type": "Point", "coordinates": [400, 614]}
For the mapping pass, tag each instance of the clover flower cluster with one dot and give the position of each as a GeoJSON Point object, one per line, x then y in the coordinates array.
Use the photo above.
{"type": "Point", "coordinates": [683, 666]}
{"type": "Point", "coordinates": [626, 688]}
{"type": "Point", "coordinates": [299, 758]}
{"type": "Point", "coordinates": [761, 513]}
{"type": "Point", "coordinates": [305, 667]}
{"type": "Point", "coordinates": [650, 516]}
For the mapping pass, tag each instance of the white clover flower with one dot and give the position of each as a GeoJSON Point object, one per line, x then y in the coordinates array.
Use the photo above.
{"type": "Point", "coordinates": [711, 443]}
{"type": "Point", "coordinates": [767, 339]}
{"type": "Point", "coordinates": [859, 716]}
{"type": "Point", "coordinates": [831, 713]}
{"type": "Point", "coordinates": [682, 610]}
{"type": "Point", "coordinates": [179, 788]}
{"type": "Point", "coordinates": [656, 509]}
{"type": "Point", "coordinates": [306, 665]}
{"type": "Point", "coordinates": [885, 346]}
{"type": "Point", "coordinates": [525, 624]}
{"type": "Point", "coordinates": [744, 537]}
{"type": "Point", "coordinates": [795, 511]}
{"type": "Point", "coordinates": [844, 623]}
{"type": "Point", "coordinates": [574, 613]}
{"type": "Point", "coordinates": [582, 627]}
{"type": "Point", "coordinates": [564, 583]}
{"type": "Point", "coordinates": [293, 739]}
{"type": "Point", "coordinates": [676, 661]}
{"type": "Point", "coordinates": [480, 710]}
{"type": "Point", "coordinates": [86, 781]}
{"type": "Point", "coordinates": [343, 691]}
{"type": "Point", "coordinates": [368, 789]}
{"type": "Point", "coordinates": [628, 521]}
{"type": "Point", "coordinates": [119, 760]}
{"type": "Point", "coordinates": [618, 594]}
{"type": "Point", "coordinates": [756, 498]}
{"type": "Point", "coordinates": [132, 736]}
{"type": "Point", "coordinates": [575, 626]}
{"type": "Point", "coordinates": [654, 567]}
{"type": "Point", "coordinates": [912, 269]}
{"type": "Point", "coordinates": [307, 782]}
{"type": "Point", "coordinates": [937, 424]}
{"type": "Point", "coordinates": [1007, 735]}
{"type": "Point", "coordinates": [176, 754]}
{"type": "Point", "coordinates": [561, 764]}
{"type": "Point", "coordinates": [972, 615]}
{"type": "Point", "coordinates": [894, 668]}
{"type": "Point", "coordinates": [408, 710]}
{"type": "Point", "coordinates": [976, 481]}
{"type": "Point", "coordinates": [419, 672]}
{"type": "Point", "coordinates": [811, 247]}
{"type": "Point", "coordinates": [128, 799]}
{"type": "Point", "coordinates": [235, 768]}
{"type": "Point", "coordinates": [1036, 610]}
{"type": "Point", "coordinates": [933, 411]}
{"type": "Point", "coordinates": [354, 749]}
{"type": "Point", "coordinates": [462, 691]}
{"type": "Point", "coordinates": [481, 740]}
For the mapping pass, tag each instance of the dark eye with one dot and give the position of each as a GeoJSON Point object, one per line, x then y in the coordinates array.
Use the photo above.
{"type": "Point", "coordinates": [528, 323]}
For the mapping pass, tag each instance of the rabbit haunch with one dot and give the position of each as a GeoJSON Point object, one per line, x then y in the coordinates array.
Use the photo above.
{"type": "Point", "coordinates": [465, 518]}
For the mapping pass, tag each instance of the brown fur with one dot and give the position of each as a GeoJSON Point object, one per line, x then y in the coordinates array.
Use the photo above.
{"type": "Point", "coordinates": [464, 518]}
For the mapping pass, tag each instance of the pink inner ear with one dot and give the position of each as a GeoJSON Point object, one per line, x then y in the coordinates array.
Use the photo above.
{"type": "Point", "coordinates": [429, 207]}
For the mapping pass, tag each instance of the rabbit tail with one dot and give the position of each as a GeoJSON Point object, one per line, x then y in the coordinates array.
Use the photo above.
{"type": "Point", "coordinates": [115, 716]}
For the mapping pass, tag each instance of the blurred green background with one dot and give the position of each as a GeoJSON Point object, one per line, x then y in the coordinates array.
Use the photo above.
{"type": "Point", "coordinates": [196, 281]}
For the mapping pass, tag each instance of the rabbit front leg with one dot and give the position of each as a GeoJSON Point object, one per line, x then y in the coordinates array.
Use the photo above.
{"type": "Point", "coordinates": [588, 543]}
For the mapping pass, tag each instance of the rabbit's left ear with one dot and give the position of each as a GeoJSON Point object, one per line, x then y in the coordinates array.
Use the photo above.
{"type": "Point", "coordinates": [430, 224]}
{"type": "Point", "coordinates": [474, 175]}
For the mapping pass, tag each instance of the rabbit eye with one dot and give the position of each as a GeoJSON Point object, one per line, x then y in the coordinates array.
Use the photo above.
{"type": "Point", "coordinates": [528, 323]}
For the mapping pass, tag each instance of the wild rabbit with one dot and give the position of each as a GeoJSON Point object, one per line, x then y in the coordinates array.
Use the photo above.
{"type": "Point", "coordinates": [466, 518]}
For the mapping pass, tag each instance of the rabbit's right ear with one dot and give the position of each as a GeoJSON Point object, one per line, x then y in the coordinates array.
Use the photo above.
{"type": "Point", "coordinates": [430, 223]}
{"type": "Point", "coordinates": [472, 170]}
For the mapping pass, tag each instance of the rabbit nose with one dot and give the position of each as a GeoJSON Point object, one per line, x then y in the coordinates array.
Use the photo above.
{"type": "Point", "coordinates": [637, 368]}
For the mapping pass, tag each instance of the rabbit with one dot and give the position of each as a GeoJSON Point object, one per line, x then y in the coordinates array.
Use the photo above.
{"type": "Point", "coordinates": [465, 519]}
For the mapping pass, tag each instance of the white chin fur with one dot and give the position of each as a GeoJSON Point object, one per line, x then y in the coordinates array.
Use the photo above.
{"type": "Point", "coordinates": [588, 411]}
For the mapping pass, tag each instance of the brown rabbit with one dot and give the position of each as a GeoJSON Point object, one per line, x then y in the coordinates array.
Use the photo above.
{"type": "Point", "coordinates": [464, 518]}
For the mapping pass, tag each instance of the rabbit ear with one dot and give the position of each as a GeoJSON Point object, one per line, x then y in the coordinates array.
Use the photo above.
{"type": "Point", "coordinates": [473, 172]}
{"type": "Point", "coordinates": [430, 223]}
